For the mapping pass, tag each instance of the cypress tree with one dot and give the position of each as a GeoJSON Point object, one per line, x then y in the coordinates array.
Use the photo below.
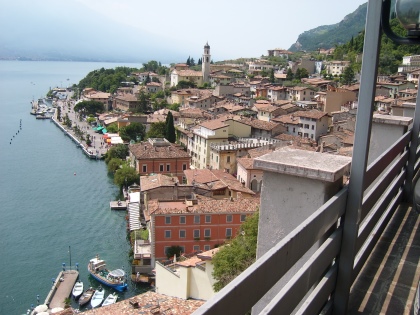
{"type": "Point", "coordinates": [170, 128]}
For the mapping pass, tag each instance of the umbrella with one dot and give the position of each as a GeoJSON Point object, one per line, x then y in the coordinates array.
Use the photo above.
{"type": "Point", "coordinates": [56, 310]}
{"type": "Point", "coordinates": [43, 313]}
{"type": "Point", "coordinates": [41, 308]}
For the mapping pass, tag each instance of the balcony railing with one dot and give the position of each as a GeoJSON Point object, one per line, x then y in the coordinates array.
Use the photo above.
{"type": "Point", "coordinates": [334, 242]}
{"type": "Point", "coordinates": [311, 289]}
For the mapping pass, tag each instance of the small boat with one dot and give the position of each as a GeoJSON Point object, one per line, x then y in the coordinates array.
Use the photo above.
{"type": "Point", "coordinates": [86, 296]}
{"type": "Point", "coordinates": [97, 297]}
{"type": "Point", "coordinates": [77, 289]}
{"type": "Point", "coordinates": [115, 279]}
{"type": "Point", "coordinates": [110, 299]}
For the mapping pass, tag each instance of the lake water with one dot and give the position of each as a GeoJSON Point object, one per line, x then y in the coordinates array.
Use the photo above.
{"type": "Point", "coordinates": [44, 207]}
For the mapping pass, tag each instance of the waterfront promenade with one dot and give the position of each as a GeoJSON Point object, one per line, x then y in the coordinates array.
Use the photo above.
{"type": "Point", "coordinates": [98, 147]}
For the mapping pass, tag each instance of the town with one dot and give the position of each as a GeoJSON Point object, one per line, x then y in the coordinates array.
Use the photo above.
{"type": "Point", "coordinates": [199, 184]}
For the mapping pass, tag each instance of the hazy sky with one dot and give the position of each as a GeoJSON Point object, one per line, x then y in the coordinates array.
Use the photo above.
{"type": "Point", "coordinates": [233, 29]}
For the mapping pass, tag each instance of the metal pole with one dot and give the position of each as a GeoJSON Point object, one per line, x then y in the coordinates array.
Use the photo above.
{"type": "Point", "coordinates": [70, 256]}
{"type": "Point", "coordinates": [360, 157]}
{"type": "Point", "coordinates": [408, 188]}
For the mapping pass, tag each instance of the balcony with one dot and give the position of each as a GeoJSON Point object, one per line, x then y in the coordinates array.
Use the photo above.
{"type": "Point", "coordinates": [358, 251]}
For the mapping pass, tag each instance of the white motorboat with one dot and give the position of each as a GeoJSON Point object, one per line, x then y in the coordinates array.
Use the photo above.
{"type": "Point", "coordinates": [77, 289]}
{"type": "Point", "coordinates": [97, 297]}
{"type": "Point", "coordinates": [110, 299]}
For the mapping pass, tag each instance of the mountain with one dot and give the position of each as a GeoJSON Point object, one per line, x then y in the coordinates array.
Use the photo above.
{"type": "Point", "coordinates": [328, 36]}
{"type": "Point", "coordinates": [75, 33]}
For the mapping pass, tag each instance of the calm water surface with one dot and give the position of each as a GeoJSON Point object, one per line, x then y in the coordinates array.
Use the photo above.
{"type": "Point", "coordinates": [44, 207]}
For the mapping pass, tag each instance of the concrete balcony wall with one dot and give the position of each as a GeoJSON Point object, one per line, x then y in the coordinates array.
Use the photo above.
{"type": "Point", "coordinates": [386, 130]}
{"type": "Point", "coordinates": [296, 183]}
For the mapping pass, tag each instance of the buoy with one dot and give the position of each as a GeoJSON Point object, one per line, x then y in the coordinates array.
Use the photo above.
{"type": "Point", "coordinates": [74, 174]}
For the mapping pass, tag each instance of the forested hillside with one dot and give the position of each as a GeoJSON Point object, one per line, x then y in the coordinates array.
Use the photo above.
{"type": "Point", "coordinates": [328, 36]}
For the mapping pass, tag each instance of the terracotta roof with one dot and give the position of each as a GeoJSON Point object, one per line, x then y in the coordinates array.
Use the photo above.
{"type": "Point", "coordinates": [157, 180]}
{"type": "Point", "coordinates": [204, 205]}
{"type": "Point", "coordinates": [149, 303]}
{"type": "Point", "coordinates": [215, 179]}
{"type": "Point", "coordinates": [258, 124]}
{"type": "Point", "coordinates": [313, 113]}
{"type": "Point", "coordinates": [213, 124]}
{"type": "Point", "coordinates": [127, 98]}
{"type": "Point", "coordinates": [189, 73]}
{"type": "Point", "coordinates": [145, 150]}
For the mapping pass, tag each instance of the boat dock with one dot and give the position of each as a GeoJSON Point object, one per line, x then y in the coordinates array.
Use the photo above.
{"type": "Point", "coordinates": [61, 288]}
{"type": "Point", "coordinates": [118, 205]}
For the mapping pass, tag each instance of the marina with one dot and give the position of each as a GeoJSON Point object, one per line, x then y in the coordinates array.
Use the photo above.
{"type": "Point", "coordinates": [42, 228]}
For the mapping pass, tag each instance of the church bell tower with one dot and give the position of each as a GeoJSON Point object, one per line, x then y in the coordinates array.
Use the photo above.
{"type": "Point", "coordinates": [205, 64]}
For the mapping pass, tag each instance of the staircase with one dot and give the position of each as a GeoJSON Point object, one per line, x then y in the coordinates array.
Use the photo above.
{"type": "Point", "coordinates": [134, 216]}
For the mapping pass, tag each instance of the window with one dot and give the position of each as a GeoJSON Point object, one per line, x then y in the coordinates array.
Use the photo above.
{"type": "Point", "coordinates": [161, 168]}
{"type": "Point", "coordinates": [196, 233]}
{"type": "Point", "coordinates": [182, 220]}
{"type": "Point", "coordinates": [243, 217]}
{"type": "Point", "coordinates": [228, 218]}
{"type": "Point", "coordinates": [306, 126]}
{"type": "Point", "coordinates": [196, 248]}
{"type": "Point", "coordinates": [206, 247]}
{"type": "Point", "coordinates": [168, 167]}
{"type": "Point", "coordinates": [144, 168]}
{"type": "Point", "coordinates": [228, 233]}
{"type": "Point", "coordinates": [228, 159]}
{"type": "Point", "coordinates": [197, 219]}
{"type": "Point", "coordinates": [313, 127]}
{"type": "Point", "coordinates": [167, 220]}
{"type": "Point", "coordinates": [167, 233]}
{"type": "Point", "coordinates": [207, 233]}
{"type": "Point", "coordinates": [208, 219]}
{"type": "Point", "coordinates": [182, 233]}
{"type": "Point", "coordinates": [184, 167]}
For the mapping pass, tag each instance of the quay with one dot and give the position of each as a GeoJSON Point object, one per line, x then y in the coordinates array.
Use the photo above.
{"type": "Point", "coordinates": [61, 289]}
{"type": "Point", "coordinates": [118, 205]}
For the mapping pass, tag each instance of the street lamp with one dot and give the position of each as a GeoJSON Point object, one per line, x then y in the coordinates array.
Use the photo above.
{"type": "Point", "coordinates": [408, 13]}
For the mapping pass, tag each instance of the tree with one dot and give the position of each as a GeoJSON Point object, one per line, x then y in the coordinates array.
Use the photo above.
{"type": "Point", "coordinates": [118, 151]}
{"type": "Point", "coordinates": [301, 73]}
{"type": "Point", "coordinates": [134, 131]}
{"type": "Point", "coordinates": [143, 102]}
{"type": "Point", "coordinates": [272, 78]}
{"type": "Point", "coordinates": [157, 130]}
{"type": "Point", "coordinates": [114, 164]}
{"type": "Point", "coordinates": [126, 176]}
{"type": "Point", "coordinates": [188, 61]}
{"type": "Point", "coordinates": [87, 108]}
{"type": "Point", "coordinates": [170, 134]}
{"type": "Point", "coordinates": [185, 84]}
{"type": "Point", "coordinates": [148, 80]}
{"type": "Point", "coordinates": [235, 257]}
{"type": "Point", "coordinates": [289, 75]}
{"type": "Point", "coordinates": [192, 62]}
{"type": "Point", "coordinates": [112, 128]}
{"type": "Point", "coordinates": [348, 75]}
{"type": "Point", "coordinates": [173, 250]}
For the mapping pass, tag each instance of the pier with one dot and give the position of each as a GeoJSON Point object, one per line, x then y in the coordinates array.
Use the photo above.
{"type": "Point", "coordinates": [118, 205]}
{"type": "Point", "coordinates": [61, 288]}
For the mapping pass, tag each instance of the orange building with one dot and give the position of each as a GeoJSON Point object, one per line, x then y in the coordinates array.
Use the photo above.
{"type": "Point", "coordinates": [195, 225]}
{"type": "Point", "coordinates": [159, 156]}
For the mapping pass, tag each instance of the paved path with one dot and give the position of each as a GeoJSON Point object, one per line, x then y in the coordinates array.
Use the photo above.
{"type": "Point", "coordinates": [64, 285]}
{"type": "Point", "coordinates": [98, 145]}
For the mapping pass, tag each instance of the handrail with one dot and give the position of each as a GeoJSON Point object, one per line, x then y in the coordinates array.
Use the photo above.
{"type": "Point", "coordinates": [276, 262]}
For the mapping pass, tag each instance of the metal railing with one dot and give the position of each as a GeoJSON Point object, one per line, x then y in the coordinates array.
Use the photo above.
{"type": "Point", "coordinates": [311, 289]}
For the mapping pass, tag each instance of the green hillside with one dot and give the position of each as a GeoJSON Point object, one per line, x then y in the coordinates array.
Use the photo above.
{"type": "Point", "coordinates": [328, 36]}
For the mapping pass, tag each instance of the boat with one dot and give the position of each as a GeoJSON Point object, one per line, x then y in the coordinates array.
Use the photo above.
{"type": "Point", "coordinates": [115, 279]}
{"type": "Point", "coordinates": [110, 299]}
{"type": "Point", "coordinates": [77, 289]}
{"type": "Point", "coordinates": [97, 297]}
{"type": "Point", "coordinates": [87, 295]}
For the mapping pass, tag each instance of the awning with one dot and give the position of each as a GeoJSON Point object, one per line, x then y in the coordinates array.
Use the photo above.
{"type": "Point", "coordinates": [104, 130]}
